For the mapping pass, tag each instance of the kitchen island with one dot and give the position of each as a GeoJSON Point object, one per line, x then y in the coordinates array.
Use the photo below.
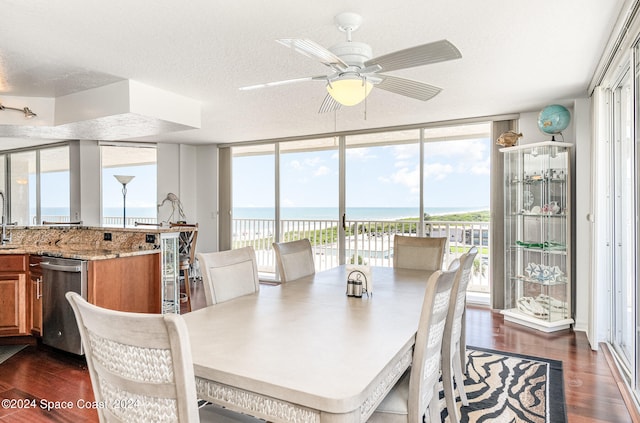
{"type": "Point", "coordinates": [124, 270]}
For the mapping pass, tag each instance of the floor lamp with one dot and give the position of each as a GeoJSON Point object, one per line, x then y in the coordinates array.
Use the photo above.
{"type": "Point", "coordinates": [124, 180]}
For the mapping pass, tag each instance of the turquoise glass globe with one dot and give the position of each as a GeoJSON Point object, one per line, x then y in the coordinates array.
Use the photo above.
{"type": "Point", "coordinates": [554, 119]}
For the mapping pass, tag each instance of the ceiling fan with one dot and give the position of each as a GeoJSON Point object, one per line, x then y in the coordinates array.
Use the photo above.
{"type": "Point", "coordinates": [355, 73]}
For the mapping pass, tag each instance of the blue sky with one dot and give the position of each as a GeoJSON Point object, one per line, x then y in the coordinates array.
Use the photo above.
{"type": "Point", "coordinates": [141, 191]}
{"type": "Point", "coordinates": [456, 175]}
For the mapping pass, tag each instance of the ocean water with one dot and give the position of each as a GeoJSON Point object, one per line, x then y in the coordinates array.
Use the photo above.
{"type": "Point", "coordinates": [294, 213]}
{"type": "Point", "coordinates": [108, 212]}
{"type": "Point", "coordinates": [353, 213]}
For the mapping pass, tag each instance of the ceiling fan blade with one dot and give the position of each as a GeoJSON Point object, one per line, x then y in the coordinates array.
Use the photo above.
{"type": "Point", "coordinates": [329, 104]}
{"type": "Point", "coordinates": [407, 87]}
{"type": "Point", "coordinates": [425, 54]}
{"type": "Point", "coordinates": [314, 51]}
{"type": "Point", "coordinates": [285, 82]}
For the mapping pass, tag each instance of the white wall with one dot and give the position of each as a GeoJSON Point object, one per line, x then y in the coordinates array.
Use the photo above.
{"type": "Point", "coordinates": [188, 194]}
{"type": "Point", "coordinates": [86, 201]}
{"type": "Point", "coordinates": [528, 126]}
{"type": "Point", "coordinates": [583, 208]}
{"type": "Point", "coordinates": [206, 184]}
{"type": "Point", "coordinates": [191, 172]}
{"type": "Point", "coordinates": [168, 160]}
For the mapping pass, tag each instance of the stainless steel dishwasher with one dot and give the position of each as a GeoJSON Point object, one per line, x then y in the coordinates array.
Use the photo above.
{"type": "Point", "coordinates": [59, 328]}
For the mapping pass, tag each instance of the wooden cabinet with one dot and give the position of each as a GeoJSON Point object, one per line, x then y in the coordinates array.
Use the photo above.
{"type": "Point", "coordinates": [14, 304]}
{"type": "Point", "coordinates": [126, 283]}
{"type": "Point", "coordinates": [35, 282]}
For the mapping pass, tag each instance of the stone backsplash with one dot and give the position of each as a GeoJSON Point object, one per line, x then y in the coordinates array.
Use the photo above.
{"type": "Point", "coordinates": [85, 238]}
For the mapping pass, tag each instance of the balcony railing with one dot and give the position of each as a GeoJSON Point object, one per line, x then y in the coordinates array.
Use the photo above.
{"type": "Point", "coordinates": [366, 242]}
{"type": "Point", "coordinates": [109, 221]}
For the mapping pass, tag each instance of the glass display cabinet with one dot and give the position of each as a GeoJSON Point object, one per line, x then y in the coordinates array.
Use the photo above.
{"type": "Point", "coordinates": [170, 272]}
{"type": "Point", "coordinates": [537, 219]}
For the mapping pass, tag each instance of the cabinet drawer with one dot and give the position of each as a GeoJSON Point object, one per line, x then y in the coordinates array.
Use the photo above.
{"type": "Point", "coordinates": [34, 265]}
{"type": "Point", "coordinates": [13, 263]}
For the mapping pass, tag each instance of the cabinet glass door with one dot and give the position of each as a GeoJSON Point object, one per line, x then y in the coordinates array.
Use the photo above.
{"type": "Point", "coordinates": [538, 280]}
{"type": "Point", "coordinates": [170, 273]}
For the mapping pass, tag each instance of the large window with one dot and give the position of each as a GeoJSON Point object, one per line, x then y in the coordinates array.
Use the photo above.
{"type": "Point", "coordinates": [382, 175]}
{"type": "Point", "coordinates": [54, 184]}
{"type": "Point", "coordinates": [38, 185]}
{"type": "Point", "coordinates": [456, 188]}
{"type": "Point", "coordinates": [254, 218]}
{"type": "Point", "coordinates": [624, 280]}
{"type": "Point", "coordinates": [137, 199]}
{"type": "Point", "coordinates": [23, 187]}
{"type": "Point", "coordinates": [349, 194]}
{"type": "Point", "coordinates": [617, 242]}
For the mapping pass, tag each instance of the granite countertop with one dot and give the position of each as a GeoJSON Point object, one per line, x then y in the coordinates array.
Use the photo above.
{"type": "Point", "coordinates": [138, 229]}
{"type": "Point", "coordinates": [72, 252]}
{"type": "Point", "coordinates": [83, 242]}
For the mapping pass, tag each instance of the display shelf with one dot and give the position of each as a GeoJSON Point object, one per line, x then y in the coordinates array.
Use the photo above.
{"type": "Point", "coordinates": [559, 322]}
{"type": "Point", "coordinates": [170, 272]}
{"type": "Point", "coordinates": [537, 210]}
{"type": "Point", "coordinates": [520, 279]}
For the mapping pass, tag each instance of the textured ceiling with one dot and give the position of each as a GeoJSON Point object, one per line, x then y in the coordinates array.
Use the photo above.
{"type": "Point", "coordinates": [516, 57]}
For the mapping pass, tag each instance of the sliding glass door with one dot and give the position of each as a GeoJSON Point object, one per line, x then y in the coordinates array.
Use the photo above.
{"type": "Point", "coordinates": [382, 188]}
{"type": "Point", "coordinates": [254, 221]}
{"type": "Point", "coordinates": [623, 223]}
{"type": "Point", "coordinates": [456, 193]}
{"type": "Point", "coordinates": [308, 196]}
{"type": "Point", "coordinates": [351, 194]}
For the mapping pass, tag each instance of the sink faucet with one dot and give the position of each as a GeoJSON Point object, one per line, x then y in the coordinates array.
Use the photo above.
{"type": "Point", "coordinates": [4, 238]}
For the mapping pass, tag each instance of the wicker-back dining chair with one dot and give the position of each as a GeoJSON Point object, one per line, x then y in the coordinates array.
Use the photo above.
{"type": "Point", "coordinates": [415, 397]}
{"type": "Point", "coordinates": [421, 253]}
{"type": "Point", "coordinates": [141, 367]}
{"type": "Point", "coordinates": [453, 353]}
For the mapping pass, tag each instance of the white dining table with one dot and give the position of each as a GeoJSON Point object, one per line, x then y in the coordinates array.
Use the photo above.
{"type": "Point", "coordinates": [305, 352]}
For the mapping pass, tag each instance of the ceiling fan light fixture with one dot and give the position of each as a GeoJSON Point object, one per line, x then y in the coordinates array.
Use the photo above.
{"type": "Point", "coordinates": [349, 91]}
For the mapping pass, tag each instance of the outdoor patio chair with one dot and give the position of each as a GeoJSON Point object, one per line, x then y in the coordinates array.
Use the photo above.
{"type": "Point", "coordinates": [228, 274]}
{"type": "Point", "coordinates": [453, 353]}
{"type": "Point", "coordinates": [295, 259]}
{"type": "Point", "coordinates": [416, 393]}
{"type": "Point", "coordinates": [141, 367]}
{"type": "Point", "coordinates": [422, 253]}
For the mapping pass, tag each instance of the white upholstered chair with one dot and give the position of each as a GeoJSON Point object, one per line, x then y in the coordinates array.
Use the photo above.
{"type": "Point", "coordinates": [416, 393]}
{"type": "Point", "coordinates": [295, 259]}
{"type": "Point", "coordinates": [422, 253]}
{"type": "Point", "coordinates": [453, 353]}
{"type": "Point", "coordinates": [229, 274]}
{"type": "Point", "coordinates": [141, 367]}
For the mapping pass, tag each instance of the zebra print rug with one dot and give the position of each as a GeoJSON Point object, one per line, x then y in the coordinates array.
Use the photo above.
{"type": "Point", "coordinates": [504, 387]}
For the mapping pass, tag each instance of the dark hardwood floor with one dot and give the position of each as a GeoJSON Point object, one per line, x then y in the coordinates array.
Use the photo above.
{"type": "Point", "coordinates": [39, 374]}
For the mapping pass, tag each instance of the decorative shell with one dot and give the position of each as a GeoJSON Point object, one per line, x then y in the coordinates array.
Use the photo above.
{"type": "Point", "coordinates": [508, 139]}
